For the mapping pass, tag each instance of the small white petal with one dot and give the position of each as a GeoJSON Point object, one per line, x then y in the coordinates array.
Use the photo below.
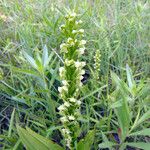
{"type": "Point", "coordinates": [65, 82]}
{"type": "Point", "coordinates": [61, 108]}
{"type": "Point", "coordinates": [78, 102]}
{"type": "Point", "coordinates": [63, 119]}
{"type": "Point", "coordinates": [74, 31]}
{"type": "Point", "coordinates": [69, 62]}
{"type": "Point", "coordinates": [77, 64]}
{"type": "Point", "coordinates": [81, 50]}
{"type": "Point", "coordinates": [72, 100]}
{"type": "Point", "coordinates": [60, 89]}
{"type": "Point", "coordinates": [80, 84]}
{"type": "Point", "coordinates": [73, 14]}
{"type": "Point", "coordinates": [83, 63]}
{"type": "Point", "coordinates": [66, 104]}
{"type": "Point", "coordinates": [81, 77]}
{"type": "Point", "coordinates": [65, 88]}
{"type": "Point", "coordinates": [80, 21]}
{"type": "Point", "coordinates": [71, 117]}
{"type": "Point", "coordinates": [82, 72]}
{"type": "Point", "coordinates": [82, 42]}
{"type": "Point", "coordinates": [81, 31]}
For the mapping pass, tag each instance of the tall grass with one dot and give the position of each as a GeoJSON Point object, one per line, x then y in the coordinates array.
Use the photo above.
{"type": "Point", "coordinates": [116, 105]}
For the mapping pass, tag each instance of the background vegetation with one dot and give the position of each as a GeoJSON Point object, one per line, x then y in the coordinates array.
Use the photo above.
{"type": "Point", "coordinates": [117, 105]}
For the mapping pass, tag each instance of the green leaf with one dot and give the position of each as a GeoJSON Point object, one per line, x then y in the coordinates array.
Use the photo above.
{"type": "Point", "coordinates": [145, 132]}
{"type": "Point", "coordinates": [141, 145]}
{"type": "Point", "coordinates": [45, 56]}
{"type": "Point", "coordinates": [143, 118]}
{"type": "Point", "coordinates": [86, 143]}
{"type": "Point", "coordinates": [25, 71]}
{"type": "Point", "coordinates": [122, 112]}
{"type": "Point", "coordinates": [34, 141]}
{"type": "Point", "coordinates": [30, 60]}
{"type": "Point", "coordinates": [11, 123]}
{"type": "Point", "coordinates": [106, 145]}
{"type": "Point", "coordinates": [129, 77]}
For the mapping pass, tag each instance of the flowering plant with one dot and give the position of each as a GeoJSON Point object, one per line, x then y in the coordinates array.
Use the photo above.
{"type": "Point", "coordinates": [97, 60]}
{"type": "Point", "coordinates": [71, 75]}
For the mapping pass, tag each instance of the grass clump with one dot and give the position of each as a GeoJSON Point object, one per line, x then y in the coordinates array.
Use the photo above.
{"type": "Point", "coordinates": [42, 55]}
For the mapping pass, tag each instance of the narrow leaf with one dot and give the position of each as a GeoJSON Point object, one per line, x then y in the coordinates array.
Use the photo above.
{"type": "Point", "coordinates": [141, 145]}
{"type": "Point", "coordinates": [30, 60]}
{"type": "Point", "coordinates": [106, 145]}
{"type": "Point", "coordinates": [86, 143]}
{"type": "Point", "coordinates": [45, 56]}
{"type": "Point", "coordinates": [34, 141]}
{"type": "Point", "coordinates": [145, 132]}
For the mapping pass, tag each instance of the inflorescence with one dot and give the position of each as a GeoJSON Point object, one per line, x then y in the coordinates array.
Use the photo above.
{"type": "Point", "coordinates": [71, 75]}
{"type": "Point", "coordinates": [97, 61]}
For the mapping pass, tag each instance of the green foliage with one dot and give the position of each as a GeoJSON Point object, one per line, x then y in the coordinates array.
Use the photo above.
{"type": "Point", "coordinates": [116, 105]}
{"type": "Point", "coordinates": [34, 141]}
{"type": "Point", "coordinates": [87, 142]}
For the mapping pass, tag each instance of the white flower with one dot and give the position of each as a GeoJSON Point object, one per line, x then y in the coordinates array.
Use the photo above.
{"type": "Point", "coordinates": [75, 40]}
{"type": "Point", "coordinates": [69, 62]}
{"type": "Point", "coordinates": [62, 27]}
{"type": "Point", "coordinates": [71, 117]}
{"type": "Point", "coordinates": [73, 14]}
{"type": "Point", "coordinates": [63, 47]}
{"type": "Point", "coordinates": [81, 31]}
{"type": "Point", "coordinates": [63, 119]}
{"type": "Point", "coordinates": [65, 82]}
{"type": "Point", "coordinates": [81, 50]}
{"type": "Point", "coordinates": [60, 89]}
{"type": "Point", "coordinates": [77, 90]}
{"type": "Point", "coordinates": [65, 131]}
{"type": "Point", "coordinates": [63, 88]}
{"type": "Point", "coordinates": [70, 19]}
{"type": "Point", "coordinates": [82, 72]}
{"type": "Point", "coordinates": [79, 22]}
{"type": "Point", "coordinates": [72, 100]}
{"type": "Point", "coordinates": [82, 42]}
{"type": "Point", "coordinates": [66, 104]}
{"type": "Point", "coordinates": [80, 84]}
{"type": "Point", "coordinates": [74, 31]}
{"type": "Point", "coordinates": [83, 63]}
{"type": "Point", "coordinates": [81, 77]}
{"type": "Point", "coordinates": [79, 103]}
{"type": "Point", "coordinates": [61, 108]}
{"type": "Point", "coordinates": [70, 41]}
{"type": "Point", "coordinates": [61, 71]}
{"type": "Point", "coordinates": [68, 142]}
{"type": "Point", "coordinates": [77, 64]}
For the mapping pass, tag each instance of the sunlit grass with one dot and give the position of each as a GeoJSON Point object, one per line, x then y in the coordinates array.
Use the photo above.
{"type": "Point", "coordinates": [118, 28]}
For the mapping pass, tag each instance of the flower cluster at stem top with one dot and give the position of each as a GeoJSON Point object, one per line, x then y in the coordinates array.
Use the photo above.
{"type": "Point", "coordinates": [71, 74]}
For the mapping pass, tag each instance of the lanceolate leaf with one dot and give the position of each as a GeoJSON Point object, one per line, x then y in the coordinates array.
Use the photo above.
{"type": "Point", "coordinates": [86, 143]}
{"type": "Point", "coordinates": [122, 112]}
{"type": "Point", "coordinates": [143, 118]}
{"type": "Point", "coordinates": [34, 141]}
{"type": "Point", "coordinates": [30, 60]}
{"type": "Point", "coordinates": [145, 132]}
{"type": "Point", "coordinates": [129, 77]}
{"type": "Point", "coordinates": [141, 145]}
{"type": "Point", "coordinates": [106, 145]}
{"type": "Point", "coordinates": [45, 56]}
